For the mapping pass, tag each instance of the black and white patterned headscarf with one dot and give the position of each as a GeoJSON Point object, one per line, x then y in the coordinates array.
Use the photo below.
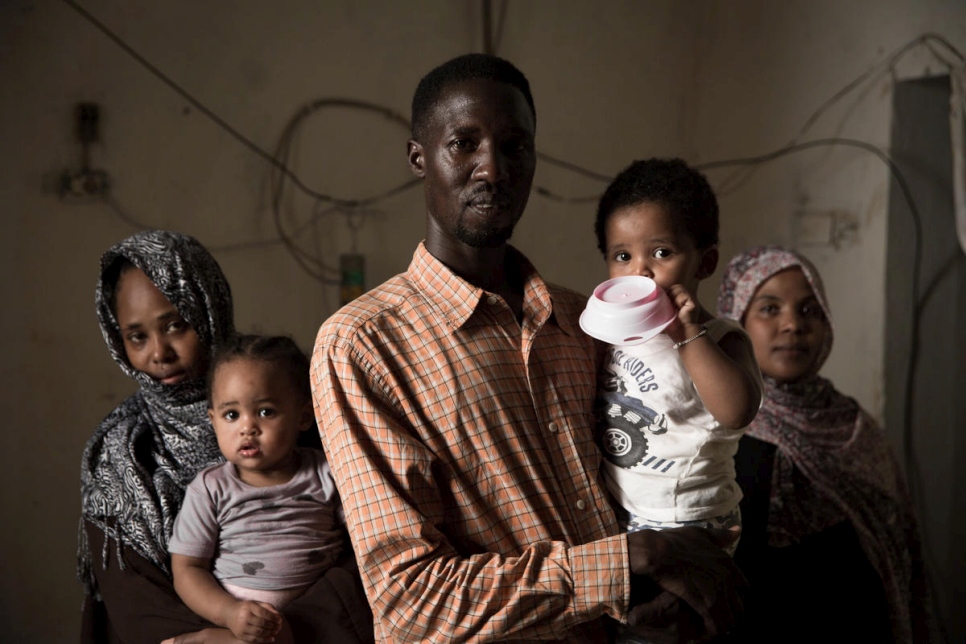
{"type": "Point", "coordinates": [142, 456]}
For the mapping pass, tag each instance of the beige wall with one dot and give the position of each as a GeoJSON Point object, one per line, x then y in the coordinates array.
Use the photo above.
{"type": "Point", "coordinates": [612, 81]}
{"type": "Point", "coordinates": [765, 69]}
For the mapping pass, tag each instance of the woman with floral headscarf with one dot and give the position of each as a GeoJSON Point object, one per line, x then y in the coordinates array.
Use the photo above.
{"type": "Point", "coordinates": [830, 541]}
{"type": "Point", "coordinates": [164, 306]}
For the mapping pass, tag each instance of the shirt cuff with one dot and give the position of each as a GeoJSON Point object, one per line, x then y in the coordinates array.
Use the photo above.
{"type": "Point", "coordinates": [601, 577]}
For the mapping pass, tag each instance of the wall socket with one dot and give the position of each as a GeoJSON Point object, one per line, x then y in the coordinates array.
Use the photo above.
{"type": "Point", "coordinates": [84, 183]}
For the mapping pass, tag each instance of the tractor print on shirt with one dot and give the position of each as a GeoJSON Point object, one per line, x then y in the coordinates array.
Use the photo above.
{"type": "Point", "coordinates": [624, 423]}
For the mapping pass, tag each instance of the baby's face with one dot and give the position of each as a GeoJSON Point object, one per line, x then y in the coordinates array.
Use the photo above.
{"type": "Point", "coordinates": [157, 340]}
{"type": "Point", "coordinates": [257, 416]}
{"type": "Point", "coordinates": [643, 240]}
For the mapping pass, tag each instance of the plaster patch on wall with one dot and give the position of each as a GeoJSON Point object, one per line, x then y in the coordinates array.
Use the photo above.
{"type": "Point", "coordinates": [824, 229]}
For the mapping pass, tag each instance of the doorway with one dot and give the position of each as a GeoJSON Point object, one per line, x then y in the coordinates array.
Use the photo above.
{"type": "Point", "coordinates": [925, 356]}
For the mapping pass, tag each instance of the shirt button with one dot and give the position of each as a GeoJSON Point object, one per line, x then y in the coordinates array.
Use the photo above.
{"type": "Point", "coordinates": [492, 300]}
{"type": "Point", "coordinates": [553, 427]}
{"type": "Point", "coordinates": [580, 504]}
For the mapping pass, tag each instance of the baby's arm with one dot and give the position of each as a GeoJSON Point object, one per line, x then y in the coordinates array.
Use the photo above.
{"type": "Point", "coordinates": [728, 390]}
{"type": "Point", "coordinates": [249, 621]}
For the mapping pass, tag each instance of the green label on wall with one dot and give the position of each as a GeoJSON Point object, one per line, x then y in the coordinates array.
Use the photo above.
{"type": "Point", "coordinates": [353, 268]}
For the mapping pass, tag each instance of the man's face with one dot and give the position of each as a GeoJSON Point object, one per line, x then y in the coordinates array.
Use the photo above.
{"type": "Point", "coordinates": [477, 158]}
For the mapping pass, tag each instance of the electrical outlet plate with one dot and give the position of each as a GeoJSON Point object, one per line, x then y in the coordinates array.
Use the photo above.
{"type": "Point", "coordinates": [84, 183]}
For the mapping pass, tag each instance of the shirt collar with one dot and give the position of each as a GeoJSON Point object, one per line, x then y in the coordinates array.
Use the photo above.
{"type": "Point", "coordinates": [455, 299]}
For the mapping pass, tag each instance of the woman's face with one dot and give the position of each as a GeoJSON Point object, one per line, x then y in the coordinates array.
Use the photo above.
{"type": "Point", "coordinates": [157, 339]}
{"type": "Point", "coordinates": [787, 326]}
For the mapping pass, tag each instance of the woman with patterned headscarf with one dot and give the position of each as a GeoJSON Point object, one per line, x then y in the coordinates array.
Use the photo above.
{"type": "Point", "coordinates": [163, 305]}
{"type": "Point", "coordinates": [830, 541]}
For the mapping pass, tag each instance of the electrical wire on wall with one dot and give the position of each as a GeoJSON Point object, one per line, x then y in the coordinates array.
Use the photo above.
{"type": "Point", "coordinates": [281, 172]}
{"type": "Point", "coordinates": [876, 71]}
{"type": "Point", "coordinates": [282, 175]}
{"type": "Point", "coordinates": [355, 211]}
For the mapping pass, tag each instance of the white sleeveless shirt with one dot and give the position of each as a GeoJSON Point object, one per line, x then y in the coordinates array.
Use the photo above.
{"type": "Point", "coordinates": [666, 457]}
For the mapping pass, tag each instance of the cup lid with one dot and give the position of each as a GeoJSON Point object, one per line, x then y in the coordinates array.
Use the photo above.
{"type": "Point", "coordinates": [627, 310]}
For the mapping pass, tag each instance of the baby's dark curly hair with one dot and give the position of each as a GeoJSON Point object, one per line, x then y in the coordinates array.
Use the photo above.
{"type": "Point", "coordinates": [279, 350]}
{"type": "Point", "coordinates": [671, 183]}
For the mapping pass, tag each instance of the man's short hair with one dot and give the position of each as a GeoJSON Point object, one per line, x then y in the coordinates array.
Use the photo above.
{"type": "Point", "coordinates": [458, 70]}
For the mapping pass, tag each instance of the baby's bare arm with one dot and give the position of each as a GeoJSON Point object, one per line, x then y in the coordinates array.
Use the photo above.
{"type": "Point", "coordinates": [728, 390]}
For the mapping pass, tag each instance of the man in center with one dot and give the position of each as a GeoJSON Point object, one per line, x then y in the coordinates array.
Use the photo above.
{"type": "Point", "coordinates": [455, 406]}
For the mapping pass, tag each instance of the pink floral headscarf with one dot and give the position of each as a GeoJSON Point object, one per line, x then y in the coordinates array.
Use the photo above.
{"type": "Point", "coordinates": [748, 270]}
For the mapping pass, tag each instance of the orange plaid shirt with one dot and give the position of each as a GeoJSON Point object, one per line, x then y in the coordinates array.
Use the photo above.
{"type": "Point", "coordinates": [461, 442]}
